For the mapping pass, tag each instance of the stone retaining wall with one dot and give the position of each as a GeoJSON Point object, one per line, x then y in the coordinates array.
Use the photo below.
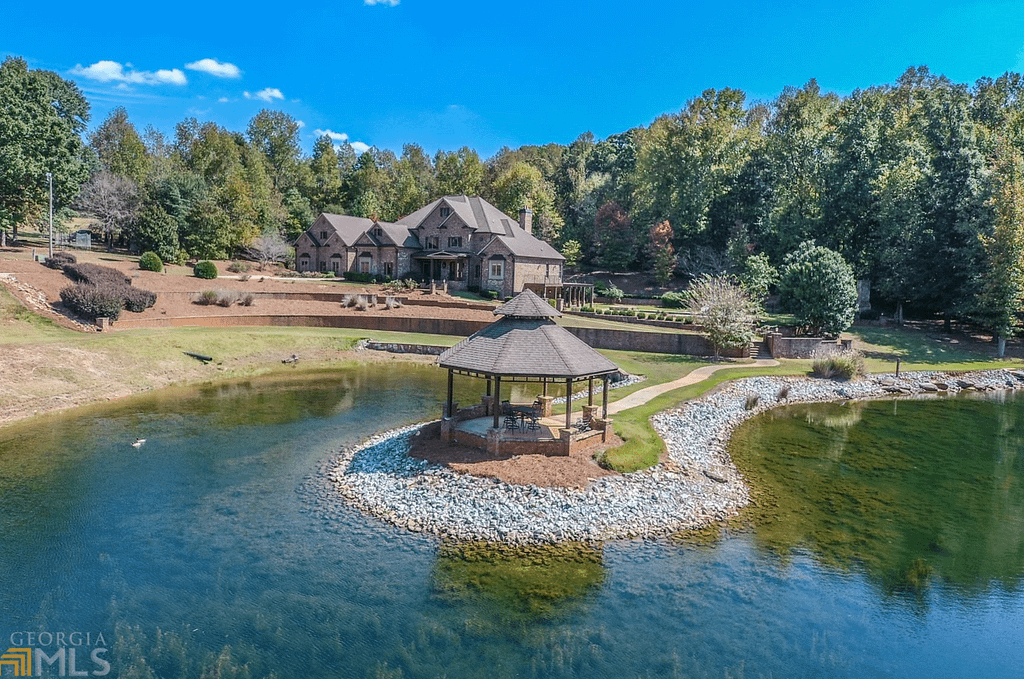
{"type": "Point", "coordinates": [599, 338]}
{"type": "Point", "coordinates": [795, 347]}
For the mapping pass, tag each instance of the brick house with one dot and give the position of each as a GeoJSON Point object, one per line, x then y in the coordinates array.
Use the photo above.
{"type": "Point", "coordinates": [463, 240]}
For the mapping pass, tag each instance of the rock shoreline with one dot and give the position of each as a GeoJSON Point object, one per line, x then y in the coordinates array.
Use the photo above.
{"type": "Point", "coordinates": [696, 485]}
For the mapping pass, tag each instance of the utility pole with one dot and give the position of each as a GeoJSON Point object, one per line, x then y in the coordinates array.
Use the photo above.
{"type": "Point", "coordinates": [49, 178]}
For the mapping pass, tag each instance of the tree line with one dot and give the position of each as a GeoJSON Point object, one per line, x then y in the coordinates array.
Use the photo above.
{"type": "Point", "coordinates": [917, 184]}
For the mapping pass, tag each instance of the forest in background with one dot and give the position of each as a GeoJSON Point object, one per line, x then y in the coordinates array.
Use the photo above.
{"type": "Point", "coordinates": [917, 184]}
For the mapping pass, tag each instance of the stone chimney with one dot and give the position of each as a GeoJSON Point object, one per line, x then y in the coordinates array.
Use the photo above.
{"type": "Point", "coordinates": [526, 220]}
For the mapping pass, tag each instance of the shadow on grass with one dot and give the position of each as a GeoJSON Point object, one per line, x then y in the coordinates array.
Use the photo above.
{"type": "Point", "coordinates": [917, 346]}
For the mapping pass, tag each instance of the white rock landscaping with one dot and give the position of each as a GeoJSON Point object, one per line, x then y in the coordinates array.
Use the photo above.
{"type": "Point", "coordinates": [697, 483]}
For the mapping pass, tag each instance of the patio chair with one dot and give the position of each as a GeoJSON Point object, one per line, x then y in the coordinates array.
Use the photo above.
{"type": "Point", "coordinates": [534, 422]}
{"type": "Point", "coordinates": [511, 421]}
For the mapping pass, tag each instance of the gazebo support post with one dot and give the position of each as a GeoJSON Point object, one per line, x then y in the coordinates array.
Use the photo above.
{"type": "Point", "coordinates": [497, 398]}
{"type": "Point", "coordinates": [544, 392]}
{"type": "Point", "coordinates": [448, 409]}
{"type": "Point", "coordinates": [604, 399]}
{"type": "Point", "coordinates": [590, 394]}
{"type": "Point", "coordinates": [488, 403]}
{"type": "Point", "coordinates": [568, 403]}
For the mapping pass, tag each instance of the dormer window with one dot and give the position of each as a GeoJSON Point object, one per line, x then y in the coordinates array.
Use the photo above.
{"type": "Point", "coordinates": [323, 235]}
{"type": "Point", "coordinates": [378, 232]}
{"type": "Point", "coordinates": [445, 212]}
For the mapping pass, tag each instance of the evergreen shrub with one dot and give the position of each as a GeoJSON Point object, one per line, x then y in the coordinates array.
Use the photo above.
{"type": "Point", "coordinates": [150, 261]}
{"type": "Point", "coordinates": [205, 269]}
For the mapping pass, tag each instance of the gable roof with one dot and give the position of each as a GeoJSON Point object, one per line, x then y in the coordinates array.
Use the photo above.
{"type": "Point", "coordinates": [484, 218]}
{"type": "Point", "coordinates": [348, 228]}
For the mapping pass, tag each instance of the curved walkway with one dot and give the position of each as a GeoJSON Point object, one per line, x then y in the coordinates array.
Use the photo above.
{"type": "Point", "coordinates": [642, 396]}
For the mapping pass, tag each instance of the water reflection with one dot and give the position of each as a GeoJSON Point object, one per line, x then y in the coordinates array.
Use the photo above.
{"type": "Point", "coordinates": [932, 495]}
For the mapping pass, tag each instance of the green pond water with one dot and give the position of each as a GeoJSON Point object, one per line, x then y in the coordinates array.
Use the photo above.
{"type": "Point", "coordinates": [888, 541]}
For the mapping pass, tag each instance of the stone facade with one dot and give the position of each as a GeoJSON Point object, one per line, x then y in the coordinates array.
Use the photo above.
{"type": "Point", "coordinates": [461, 240]}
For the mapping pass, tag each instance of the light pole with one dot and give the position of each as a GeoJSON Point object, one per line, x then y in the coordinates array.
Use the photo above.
{"type": "Point", "coordinates": [49, 178]}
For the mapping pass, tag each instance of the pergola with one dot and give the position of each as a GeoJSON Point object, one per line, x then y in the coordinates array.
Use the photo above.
{"type": "Point", "coordinates": [526, 345]}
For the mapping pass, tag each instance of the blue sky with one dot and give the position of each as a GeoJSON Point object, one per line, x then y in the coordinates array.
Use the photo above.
{"type": "Point", "coordinates": [484, 74]}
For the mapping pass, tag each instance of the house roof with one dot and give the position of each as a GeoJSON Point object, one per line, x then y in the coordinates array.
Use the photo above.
{"type": "Point", "coordinates": [525, 342]}
{"type": "Point", "coordinates": [483, 217]}
{"type": "Point", "coordinates": [348, 228]}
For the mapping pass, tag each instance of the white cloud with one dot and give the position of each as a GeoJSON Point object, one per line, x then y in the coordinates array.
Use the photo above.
{"type": "Point", "coordinates": [336, 136]}
{"type": "Point", "coordinates": [300, 123]}
{"type": "Point", "coordinates": [215, 68]}
{"type": "Point", "coordinates": [225, 100]}
{"type": "Point", "coordinates": [358, 146]}
{"type": "Point", "coordinates": [389, 3]}
{"type": "Point", "coordinates": [111, 71]}
{"type": "Point", "coordinates": [267, 94]}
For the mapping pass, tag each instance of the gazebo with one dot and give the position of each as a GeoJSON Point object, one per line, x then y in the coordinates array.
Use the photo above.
{"type": "Point", "coordinates": [526, 345]}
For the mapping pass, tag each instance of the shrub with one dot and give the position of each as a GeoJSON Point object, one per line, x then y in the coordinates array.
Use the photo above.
{"type": "Point", "coordinates": [870, 315]}
{"type": "Point", "coordinates": [391, 302]}
{"type": "Point", "coordinates": [206, 298]}
{"type": "Point", "coordinates": [248, 299]}
{"type": "Point", "coordinates": [673, 300]}
{"type": "Point", "coordinates": [150, 261]}
{"type": "Point", "coordinates": [361, 303]}
{"type": "Point", "coordinates": [832, 362]}
{"type": "Point", "coordinates": [59, 260]}
{"type": "Point", "coordinates": [614, 293]}
{"type": "Point", "coordinates": [411, 283]}
{"type": "Point", "coordinates": [473, 288]}
{"type": "Point", "coordinates": [239, 267]}
{"type": "Point", "coordinates": [751, 401]}
{"type": "Point", "coordinates": [347, 301]}
{"type": "Point", "coordinates": [137, 300]}
{"type": "Point", "coordinates": [92, 301]}
{"type": "Point", "coordinates": [358, 277]}
{"type": "Point", "coordinates": [226, 298]}
{"type": "Point", "coordinates": [94, 274]}
{"type": "Point", "coordinates": [489, 294]}
{"type": "Point", "coordinates": [205, 269]}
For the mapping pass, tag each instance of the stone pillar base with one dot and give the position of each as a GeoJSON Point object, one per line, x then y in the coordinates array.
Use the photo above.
{"type": "Point", "coordinates": [545, 405]}
{"type": "Point", "coordinates": [494, 441]}
{"type": "Point", "coordinates": [103, 323]}
{"type": "Point", "coordinates": [447, 427]}
{"type": "Point", "coordinates": [488, 403]}
{"type": "Point", "coordinates": [604, 424]}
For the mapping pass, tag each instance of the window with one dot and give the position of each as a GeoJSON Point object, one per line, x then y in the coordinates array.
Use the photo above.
{"type": "Point", "coordinates": [497, 270]}
{"type": "Point", "coordinates": [388, 269]}
{"type": "Point", "coordinates": [477, 271]}
{"type": "Point", "coordinates": [433, 242]}
{"type": "Point", "coordinates": [365, 263]}
{"type": "Point", "coordinates": [323, 235]}
{"type": "Point", "coordinates": [455, 241]}
{"type": "Point", "coordinates": [323, 266]}
{"type": "Point", "coordinates": [378, 232]}
{"type": "Point", "coordinates": [445, 212]}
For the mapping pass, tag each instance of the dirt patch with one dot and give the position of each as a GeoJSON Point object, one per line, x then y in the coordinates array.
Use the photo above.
{"type": "Point", "coordinates": [176, 290]}
{"type": "Point", "coordinates": [575, 471]}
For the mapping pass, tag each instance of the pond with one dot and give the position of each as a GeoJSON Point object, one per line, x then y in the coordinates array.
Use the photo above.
{"type": "Point", "coordinates": [888, 543]}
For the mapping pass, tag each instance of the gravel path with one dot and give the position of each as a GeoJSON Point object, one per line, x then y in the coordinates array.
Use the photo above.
{"type": "Point", "coordinates": [696, 485]}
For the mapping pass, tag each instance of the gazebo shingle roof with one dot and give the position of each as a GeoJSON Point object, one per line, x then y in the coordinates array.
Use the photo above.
{"type": "Point", "coordinates": [527, 304]}
{"type": "Point", "coordinates": [526, 343]}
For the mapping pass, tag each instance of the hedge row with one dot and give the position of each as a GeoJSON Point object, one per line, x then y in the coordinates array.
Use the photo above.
{"type": "Point", "coordinates": [59, 260]}
{"type": "Point", "coordinates": [94, 274]}
{"type": "Point", "coordinates": [96, 301]}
